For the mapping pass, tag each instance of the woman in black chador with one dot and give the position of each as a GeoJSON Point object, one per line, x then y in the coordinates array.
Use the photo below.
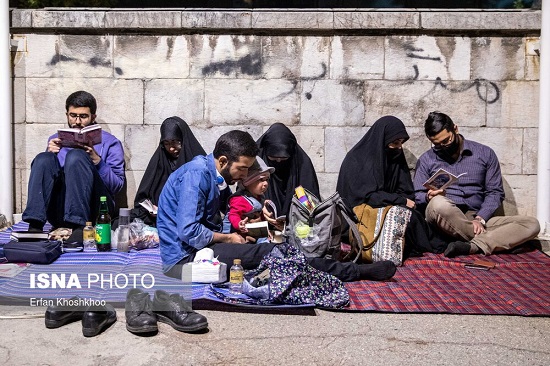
{"type": "Point", "coordinates": [279, 149]}
{"type": "Point", "coordinates": [177, 146]}
{"type": "Point", "coordinates": [376, 172]}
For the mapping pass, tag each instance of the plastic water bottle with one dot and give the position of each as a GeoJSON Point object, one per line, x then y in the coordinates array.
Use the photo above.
{"type": "Point", "coordinates": [236, 277]}
{"type": "Point", "coordinates": [88, 236]}
{"type": "Point", "coordinates": [123, 230]}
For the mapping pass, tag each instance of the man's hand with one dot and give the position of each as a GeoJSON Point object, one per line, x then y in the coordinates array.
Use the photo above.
{"type": "Point", "coordinates": [54, 145]}
{"type": "Point", "coordinates": [410, 203]}
{"type": "Point", "coordinates": [93, 154]}
{"type": "Point", "coordinates": [479, 228]}
{"type": "Point", "coordinates": [432, 193]}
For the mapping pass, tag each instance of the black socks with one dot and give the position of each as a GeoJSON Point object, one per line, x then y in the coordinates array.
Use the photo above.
{"type": "Point", "coordinates": [457, 248]}
{"type": "Point", "coordinates": [377, 271]}
{"type": "Point", "coordinates": [35, 226]}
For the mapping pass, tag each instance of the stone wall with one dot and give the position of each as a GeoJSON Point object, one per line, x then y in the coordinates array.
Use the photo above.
{"type": "Point", "coordinates": [328, 75]}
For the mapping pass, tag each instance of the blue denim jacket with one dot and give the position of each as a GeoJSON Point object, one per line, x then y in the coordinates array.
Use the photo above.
{"type": "Point", "coordinates": [188, 210]}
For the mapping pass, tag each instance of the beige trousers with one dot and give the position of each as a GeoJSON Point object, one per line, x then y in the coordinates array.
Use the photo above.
{"type": "Point", "coordinates": [503, 232]}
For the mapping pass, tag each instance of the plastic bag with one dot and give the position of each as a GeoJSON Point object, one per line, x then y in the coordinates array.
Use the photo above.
{"type": "Point", "coordinates": [143, 236]}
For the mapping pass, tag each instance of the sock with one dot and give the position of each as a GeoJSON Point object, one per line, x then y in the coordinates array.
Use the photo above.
{"type": "Point", "coordinates": [35, 225]}
{"type": "Point", "coordinates": [457, 248]}
{"type": "Point", "coordinates": [377, 271]}
{"type": "Point", "coordinates": [474, 248]}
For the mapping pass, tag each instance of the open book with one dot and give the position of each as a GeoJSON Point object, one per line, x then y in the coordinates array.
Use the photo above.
{"type": "Point", "coordinates": [441, 180]}
{"type": "Point", "coordinates": [258, 229]}
{"type": "Point", "coordinates": [273, 209]}
{"type": "Point", "coordinates": [72, 137]}
{"type": "Point", "coordinates": [148, 205]}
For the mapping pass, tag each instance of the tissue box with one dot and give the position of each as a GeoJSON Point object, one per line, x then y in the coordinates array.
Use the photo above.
{"type": "Point", "coordinates": [206, 268]}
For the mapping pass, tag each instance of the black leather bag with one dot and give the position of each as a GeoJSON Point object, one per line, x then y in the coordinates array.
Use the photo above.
{"type": "Point", "coordinates": [37, 252]}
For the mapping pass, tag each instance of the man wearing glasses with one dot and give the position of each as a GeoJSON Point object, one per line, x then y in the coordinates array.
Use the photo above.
{"type": "Point", "coordinates": [465, 210]}
{"type": "Point", "coordinates": [65, 184]}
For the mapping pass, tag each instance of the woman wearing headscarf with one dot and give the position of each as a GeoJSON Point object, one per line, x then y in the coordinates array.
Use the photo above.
{"type": "Point", "coordinates": [177, 146]}
{"type": "Point", "coordinates": [376, 172]}
{"type": "Point", "coordinates": [293, 167]}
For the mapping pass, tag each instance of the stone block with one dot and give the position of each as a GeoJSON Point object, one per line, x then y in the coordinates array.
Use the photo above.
{"type": "Point", "coordinates": [133, 179]}
{"type": "Point", "coordinates": [150, 57]}
{"type": "Point", "coordinates": [68, 19]}
{"type": "Point", "coordinates": [174, 97]}
{"type": "Point", "coordinates": [357, 57]}
{"type": "Point", "coordinates": [253, 102]}
{"type": "Point", "coordinates": [530, 150]}
{"type": "Point", "coordinates": [498, 58]}
{"type": "Point", "coordinates": [19, 102]}
{"type": "Point", "coordinates": [412, 101]}
{"type": "Point", "coordinates": [327, 184]}
{"type": "Point", "coordinates": [118, 101]}
{"type": "Point", "coordinates": [506, 142]}
{"type": "Point", "coordinates": [40, 57]}
{"type": "Point", "coordinates": [24, 184]}
{"type": "Point", "coordinates": [532, 68]}
{"type": "Point", "coordinates": [338, 141]}
{"type": "Point", "coordinates": [19, 190]}
{"type": "Point", "coordinates": [517, 106]}
{"type": "Point", "coordinates": [481, 20]}
{"type": "Point", "coordinates": [225, 56]}
{"type": "Point", "coordinates": [208, 135]}
{"type": "Point", "coordinates": [376, 20]}
{"type": "Point", "coordinates": [21, 18]}
{"type": "Point", "coordinates": [292, 20]}
{"type": "Point", "coordinates": [216, 19]}
{"type": "Point", "coordinates": [140, 142]}
{"type": "Point", "coordinates": [312, 140]}
{"type": "Point", "coordinates": [33, 141]}
{"type": "Point", "coordinates": [84, 56]}
{"type": "Point", "coordinates": [521, 195]}
{"type": "Point", "coordinates": [19, 148]}
{"type": "Point", "coordinates": [139, 19]}
{"type": "Point", "coordinates": [427, 58]}
{"type": "Point", "coordinates": [295, 57]}
{"type": "Point", "coordinates": [332, 103]}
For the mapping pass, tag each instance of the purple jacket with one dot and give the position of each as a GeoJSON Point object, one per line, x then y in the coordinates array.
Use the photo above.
{"type": "Point", "coordinates": [111, 166]}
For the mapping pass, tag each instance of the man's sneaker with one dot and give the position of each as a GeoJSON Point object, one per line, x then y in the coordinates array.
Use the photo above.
{"type": "Point", "coordinates": [172, 310]}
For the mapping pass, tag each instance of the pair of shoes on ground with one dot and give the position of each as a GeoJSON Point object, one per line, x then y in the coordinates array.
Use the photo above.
{"type": "Point", "coordinates": [95, 319]}
{"type": "Point", "coordinates": [142, 314]}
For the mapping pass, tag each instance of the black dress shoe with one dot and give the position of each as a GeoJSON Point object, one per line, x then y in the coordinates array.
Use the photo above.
{"type": "Point", "coordinates": [59, 315]}
{"type": "Point", "coordinates": [96, 319]}
{"type": "Point", "coordinates": [172, 310]}
{"type": "Point", "coordinates": [139, 312]}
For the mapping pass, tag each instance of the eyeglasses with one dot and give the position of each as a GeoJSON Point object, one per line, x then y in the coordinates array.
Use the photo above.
{"type": "Point", "coordinates": [81, 115]}
{"type": "Point", "coordinates": [445, 143]}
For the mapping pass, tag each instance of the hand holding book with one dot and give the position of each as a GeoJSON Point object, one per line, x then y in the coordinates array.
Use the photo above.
{"type": "Point", "coordinates": [441, 179]}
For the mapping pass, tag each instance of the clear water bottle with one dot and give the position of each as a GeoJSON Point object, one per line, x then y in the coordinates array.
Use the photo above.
{"type": "Point", "coordinates": [236, 277]}
{"type": "Point", "coordinates": [88, 236]}
{"type": "Point", "coordinates": [123, 230]}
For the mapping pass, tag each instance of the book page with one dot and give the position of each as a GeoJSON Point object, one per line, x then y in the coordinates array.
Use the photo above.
{"type": "Point", "coordinates": [441, 180]}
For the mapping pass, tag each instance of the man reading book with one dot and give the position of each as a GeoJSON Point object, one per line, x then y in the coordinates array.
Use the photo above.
{"type": "Point", "coordinates": [189, 217]}
{"type": "Point", "coordinates": [466, 209]}
{"type": "Point", "coordinates": [65, 184]}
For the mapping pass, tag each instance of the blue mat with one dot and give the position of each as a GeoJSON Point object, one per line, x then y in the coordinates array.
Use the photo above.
{"type": "Point", "coordinates": [108, 276]}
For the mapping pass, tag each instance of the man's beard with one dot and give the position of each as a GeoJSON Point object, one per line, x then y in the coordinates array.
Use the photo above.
{"type": "Point", "coordinates": [226, 175]}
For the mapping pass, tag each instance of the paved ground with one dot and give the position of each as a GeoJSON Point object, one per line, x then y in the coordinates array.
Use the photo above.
{"type": "Point", "coordinates": [328, 338]}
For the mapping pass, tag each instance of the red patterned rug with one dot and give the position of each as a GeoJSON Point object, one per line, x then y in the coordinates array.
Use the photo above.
{"type": "Point", "coordinates": [518, 285]}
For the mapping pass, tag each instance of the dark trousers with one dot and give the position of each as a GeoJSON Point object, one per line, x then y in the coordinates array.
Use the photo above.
{"type": "Point", "coordinates": [65, 196]}
{"type": "Point", "coordinates": [252, 254]}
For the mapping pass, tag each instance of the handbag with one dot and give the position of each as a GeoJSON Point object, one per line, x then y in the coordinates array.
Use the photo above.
{"type": "Point", "coordinates": [317, 232]}
{"type": "Point", "coordinates": [382, 231]}
{"type": "Point", "coordinates": [37, 252]}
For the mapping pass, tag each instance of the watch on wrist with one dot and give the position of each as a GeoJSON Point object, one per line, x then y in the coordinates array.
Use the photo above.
{"type": "Point", "coordinates": [480, 219]}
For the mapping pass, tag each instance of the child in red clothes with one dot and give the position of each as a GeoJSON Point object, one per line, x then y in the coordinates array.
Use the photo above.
{"type": "Point", "coordinates": [248, 205]}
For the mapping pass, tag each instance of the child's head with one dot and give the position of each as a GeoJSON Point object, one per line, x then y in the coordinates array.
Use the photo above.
{"type": "Point", "coordinates": [257, 179]}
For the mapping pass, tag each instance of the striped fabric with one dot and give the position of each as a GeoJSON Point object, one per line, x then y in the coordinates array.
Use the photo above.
{"type": "Point", "coordinates": [518, 285]}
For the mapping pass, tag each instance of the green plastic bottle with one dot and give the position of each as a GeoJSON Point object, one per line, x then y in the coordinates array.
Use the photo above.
{"type": "Point", "coordinates": [103, 227]}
